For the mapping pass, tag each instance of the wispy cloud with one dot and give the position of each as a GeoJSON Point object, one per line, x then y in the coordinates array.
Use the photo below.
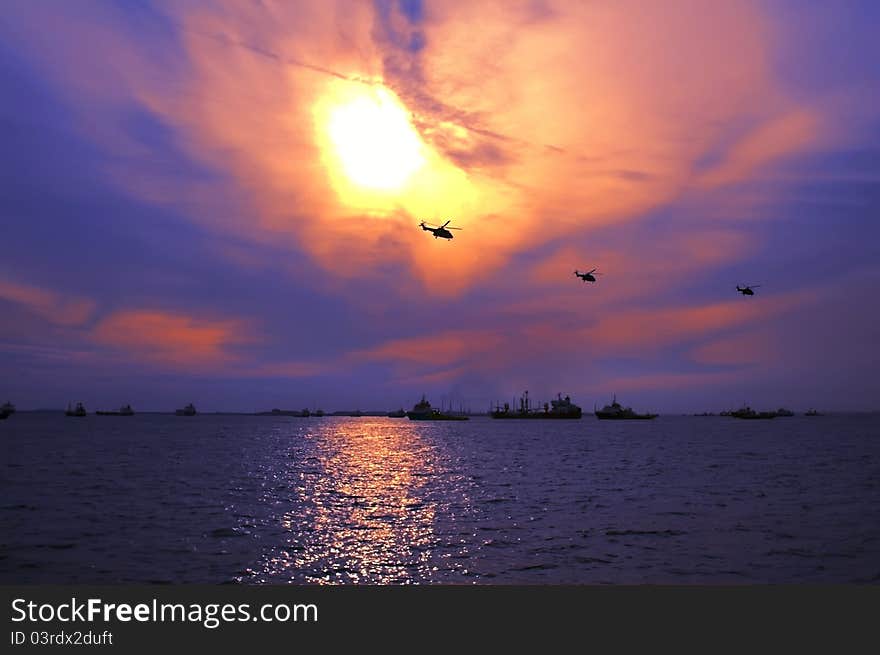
{"type": "Point", "coordinates": [777, 137]}
{"type": "Point", "coordinates": [58, 308]}
{"type": "Point", "coordinates": [187, 146]}
{"type": "Point", "coordinates": [172, 339]}
{"type": "Point", "coordinates": [584, 79]}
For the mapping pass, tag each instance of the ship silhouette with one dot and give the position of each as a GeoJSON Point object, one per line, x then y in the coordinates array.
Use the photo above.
{"type": "Point", "coordinates": [561, 408]}
{"type": "Point", "coordinates": [749, 413]}
{"type": "Point", "coordinates": [422, 411]}
{"type": "Point", "coordinates": [615, 411]}
{"type": "Point", "coordinates": [125, 410]}
{"type": "Point", "coordinates": [189, 410]}
{"type": "Point", "coordinates": [79, 410]}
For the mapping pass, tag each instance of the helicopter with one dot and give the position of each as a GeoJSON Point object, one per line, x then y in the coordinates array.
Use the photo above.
{"type": "Point", "coordinates": [588, 276]}
{"type": "Point", "coordinates": [747, 290]}
{"type": "Point", "coordinates": [439, 231]}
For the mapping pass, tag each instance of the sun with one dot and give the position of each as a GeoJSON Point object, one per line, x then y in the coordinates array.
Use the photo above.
{"type": "Point", "coordinates": [373, 139]}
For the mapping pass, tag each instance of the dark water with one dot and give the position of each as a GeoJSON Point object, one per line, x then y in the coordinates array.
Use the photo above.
{"type": "Point", "coordinates": [679, 500]}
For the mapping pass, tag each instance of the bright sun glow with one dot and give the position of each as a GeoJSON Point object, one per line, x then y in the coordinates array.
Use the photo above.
{"type": "Point", "coordinates": [377, 146]}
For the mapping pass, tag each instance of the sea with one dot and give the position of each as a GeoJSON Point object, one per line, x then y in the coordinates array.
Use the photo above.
{"type": "Point", "coordinates": [681, 500]}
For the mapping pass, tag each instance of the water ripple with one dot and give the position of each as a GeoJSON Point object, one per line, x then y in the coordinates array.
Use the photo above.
{"type": "Point", "coordinates": [260, 500]}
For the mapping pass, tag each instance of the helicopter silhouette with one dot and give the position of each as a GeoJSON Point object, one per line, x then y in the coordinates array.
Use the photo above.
{"type": "Point", "coordinates": [439, 231]}
{"type": "Point", "coordinates": [586, 277]}
{"type": "Point", "coordinates": [747, 290]}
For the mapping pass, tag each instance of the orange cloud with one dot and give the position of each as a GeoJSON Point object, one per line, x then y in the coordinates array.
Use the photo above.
{"type": "Point", "coordinates": [650, 329]}
{"type": "Point", "coordinates": [533, 121]}
{"type": "Point", "coordinates": [54, 307]}
{"type": "Point", "coordinates": [613, 333]}
{"type": "Point", "coordinates": [446, 356]}
{"type": "Point", "coordinates": [448, 348]}
{"type": "Point", "coordinates": [195, 344]}
{"type": "Point", "coordinates": [589, 115]}
{"type": "Point", "coordinates": [446, 376]}
{"type": "Point", "coordinates": [173, 339]}
{"type": "Point", "coordinates": [641, 269]}
{"type": "Point", "coordinates": [777, 137]}
{"type": "Point", "coordinates": [660, 327]}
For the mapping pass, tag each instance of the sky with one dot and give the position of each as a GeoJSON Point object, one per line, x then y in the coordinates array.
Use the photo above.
{"type": "Point", "coordinates": [219, 203]}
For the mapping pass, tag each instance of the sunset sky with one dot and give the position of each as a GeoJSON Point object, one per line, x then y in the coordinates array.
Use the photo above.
{"type": "Point", "coordinates": [218, 203]}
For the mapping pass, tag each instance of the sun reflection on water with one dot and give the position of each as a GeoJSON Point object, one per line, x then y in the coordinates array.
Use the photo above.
{"type": "Point", "coordinates": [363, 507]}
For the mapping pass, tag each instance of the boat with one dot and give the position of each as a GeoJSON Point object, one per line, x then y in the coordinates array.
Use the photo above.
{"type": "Point", "coordinates": [559, 408]}
{"type": "Point", "coordinates": [812, 412]}
{"type": "Point", "coordinates": [749, 413]}
{"type": "Point", "coordinates": [79, 410]}
{"type": "Point", "coordinates": [422, 411]}
{"type": "Point", "coordinates": [125, 410]}
{"type": "Point", "coordinates": [4, 414]}
{"type": "Point", "coordinates": [615, 411]}
{"type": "Point", "coordinates": [282, 412]}
{"type": "Point", "coordinates": [8, 408]}
{"type": "Point", "coordinates": [400, 413]}
{"type": "Point", "coordinates": [318, 412]}
{"type": "Point", "coordinates": [189, 410]}
{"type": "Point", "coordinates": [784, 412]}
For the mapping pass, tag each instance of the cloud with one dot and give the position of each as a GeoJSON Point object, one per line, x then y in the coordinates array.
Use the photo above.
{"type": "Point", "coordinates": [637, 330]}
{"type": "Point", "coordinates": [570, 343]}
{"type": "Point", "coordinates": [644, 264]}
{"type": "Point", "coordinates": [653, 142]}
{"type": "Point", "coordinates": [173, 340]}
{"type": "Point", "coordinates": [778, 137]}
{"type": "Point", "coordinates": [449, 348]}
{"type": "Point", "coordinates": [53, 306]}
{"type": "Point", "coordinates": [536, 120]}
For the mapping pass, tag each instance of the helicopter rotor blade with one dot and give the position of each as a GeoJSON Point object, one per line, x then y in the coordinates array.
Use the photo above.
{"type": "Point", "coordinates": [446, 223]}
{"type": "Point", "coordinates": [593, 271]}
{"type": "Point", "coordinates": [453, 228]}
